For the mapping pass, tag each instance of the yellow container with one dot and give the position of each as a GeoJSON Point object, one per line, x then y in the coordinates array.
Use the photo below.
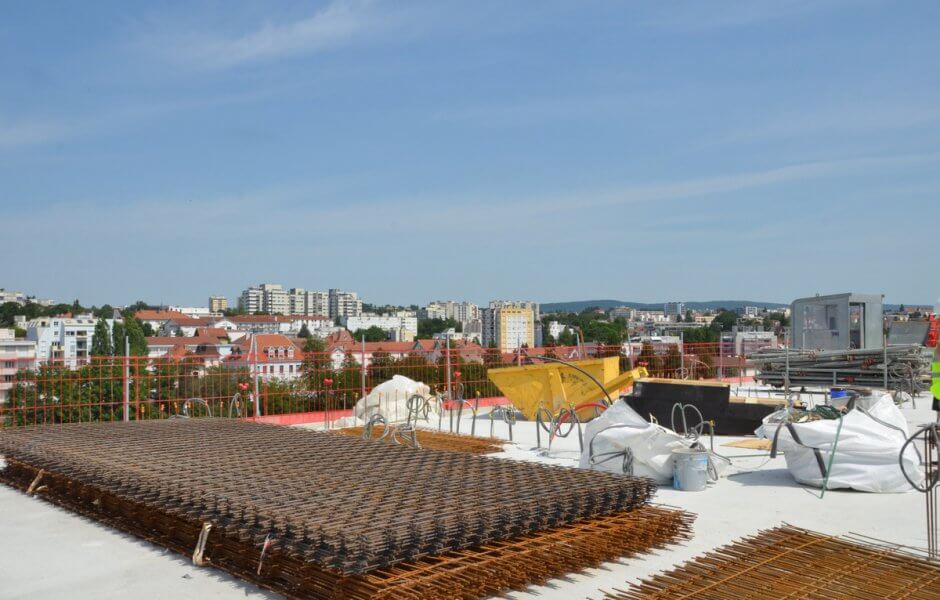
{"type": "Point", "coordinates": [556, 386]}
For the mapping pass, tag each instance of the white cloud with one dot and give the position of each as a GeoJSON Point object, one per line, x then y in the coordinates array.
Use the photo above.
{"type": "Point", "coordinates": [34, 132]}
{"type": "Point", "coordinates": [340, 23]}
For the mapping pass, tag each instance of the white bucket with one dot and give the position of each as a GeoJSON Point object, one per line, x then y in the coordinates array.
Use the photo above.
{"type": "Point", "coordinates": [690, 469]}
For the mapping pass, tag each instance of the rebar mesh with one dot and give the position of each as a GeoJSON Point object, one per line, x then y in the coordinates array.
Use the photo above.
{"type": "Point", "coordinates": [788, 562]}
{"type": "Point", "coordinates": [344, 503]}
{"type": "Point", "coordinates": [475, 572]}
{"type": "Point", "coordinates": [439, 440]}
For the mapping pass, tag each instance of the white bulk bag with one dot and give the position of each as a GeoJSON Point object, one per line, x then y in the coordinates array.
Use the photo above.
{"type": "Point", "coordinates": [866, 455]}
{"type": "Point", "coordinates": [620, 428]}
{"type": "Point", "coordinates": [390, 399]}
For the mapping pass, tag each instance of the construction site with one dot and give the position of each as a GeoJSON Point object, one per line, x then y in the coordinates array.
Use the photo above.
{"type": "Point", "coordinates": [810, 473]}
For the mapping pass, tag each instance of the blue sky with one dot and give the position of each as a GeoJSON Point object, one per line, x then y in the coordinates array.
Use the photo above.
{"type": "Point", "coordinates": [471, 150]}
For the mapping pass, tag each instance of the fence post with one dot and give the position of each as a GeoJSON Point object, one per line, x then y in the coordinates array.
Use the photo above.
{"type": "Point", "coordinates": [362, 370]}
{"type": "Point", "coordinates": [681, 355]}
{"type": "Point", "coordinates": [449, 394]}
{"type": "Point", "coordinates": [127, 378]}
{"type": "Point", "coordinates": [254, 373]}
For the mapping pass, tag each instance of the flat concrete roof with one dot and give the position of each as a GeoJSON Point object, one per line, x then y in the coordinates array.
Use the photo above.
{"type": "Point", "coordinates": [47, 552]}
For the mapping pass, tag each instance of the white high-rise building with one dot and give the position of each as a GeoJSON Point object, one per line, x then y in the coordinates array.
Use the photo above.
{"type": "Point", "coordinates": [344, 304]}
{"type": "Point", "coordinates": [297, 301]}
{"type": "Point", "coordinates": [251, 300]}
{"type": "Point", "coordinates": [674, 309]}
{"type": "Point", "coordinates": [276, 300]}
{"type": "Point", "coordinates": [318, 304]}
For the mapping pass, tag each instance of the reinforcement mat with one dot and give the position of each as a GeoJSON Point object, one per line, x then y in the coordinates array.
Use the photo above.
{"type": "Point", "coordinates": [436, 440]}
{"type": "Point", "coordinates": [475, 572]}
{"type": "Point", "coordinates": [788, 562]}
{"type": "Point", "coordinates": [346, 504]}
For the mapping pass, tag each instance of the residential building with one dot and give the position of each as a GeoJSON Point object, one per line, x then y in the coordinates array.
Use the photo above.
{"type": "Point", "coordinates": [555, 329]}
{"type": "Point", "coordinates": [270, 356]}
{"type": "Point", "coordinates": [317, 304]}
{"type": "Point", "coordinates": [297, 301]}
{"type": "Point", "coordinates": [473, 330]}
{"type": "Point", "coordinates": [509, 325]}
{"type": "Point", "coordinates": [15, 354]}
{"type": "Point", "coordinates": [275, 299]}
{"type": "Point", "coordinates": [251, 300]}
{"type": "Point", "coordinates": [749, 312]}
{"type": "Point", "coordinates": [674, 309]}
{"type": "Point", "coordinates": [17, 297]}
{"type": "Point", "coordinates": [158, 318]}
{"type": "Point", "coordinates": [344, 304]}
{"type": "Point", "coordinates": [218, 304]}
{"type": "Point", "coordinates": [402, 327]}
{"type": "Point", "coordinates": [450, 309]}
{"type": "Point", "coordinates": [63, 339]}
{"type": "Point", "coordinates": [626, 312]}
{"type": "Point", "coordinates": [434, 310]}
{"type": "Point", "coordinates": [192, 311]}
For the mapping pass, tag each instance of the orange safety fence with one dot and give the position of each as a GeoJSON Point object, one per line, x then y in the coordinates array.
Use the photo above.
{"type": "Point", "coordinates": [327, 384]}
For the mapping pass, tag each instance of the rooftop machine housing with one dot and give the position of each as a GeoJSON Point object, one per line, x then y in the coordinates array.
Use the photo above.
{"type": "Point", "coordinates": [838, 322]}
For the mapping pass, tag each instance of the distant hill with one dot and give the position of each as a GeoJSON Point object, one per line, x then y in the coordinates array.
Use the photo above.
{"type": "Point", "coordinates": [577, 306]}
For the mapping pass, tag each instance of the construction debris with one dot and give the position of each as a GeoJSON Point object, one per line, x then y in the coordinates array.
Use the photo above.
{"type": "Point", "coordinates": [438, 440]}
{"type": "Point", "coordinates": [795, 563]}
{"type": "Point", "coordinates": [905, 368]}
{"type": "Point", "coordinates": [342, 503]}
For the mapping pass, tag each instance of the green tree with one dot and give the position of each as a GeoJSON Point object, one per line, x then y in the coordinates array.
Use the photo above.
{"type": "Point", "coordinates": [428, 327]}
{"type": "Point", "coordinates": [101, 342]}
{"type": "Point", "coordinates": [117, 338]}
{"type": "Point", "coordinates": [135, 333]}
{"type": "Point", "coordinates": [372, 334]}
{"type": "Point", "coordinates": [148, 330]}
{"type": "Point", "coordinates": [725, 320]}
{"type": "Point", "coordinates": [304, 332]}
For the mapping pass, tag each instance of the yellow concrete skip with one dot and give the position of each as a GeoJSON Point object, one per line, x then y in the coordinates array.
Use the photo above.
{"type": "Point", "coordinates": [556, 386]}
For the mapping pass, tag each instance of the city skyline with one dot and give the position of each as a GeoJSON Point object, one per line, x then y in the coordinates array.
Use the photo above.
{"type": "Point", "coordinates": [438, 149]}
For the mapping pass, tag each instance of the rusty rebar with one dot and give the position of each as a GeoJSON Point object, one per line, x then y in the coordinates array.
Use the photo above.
{"type": "Point", "coordinates": [439, 440]}
{"type": "Point", "coordinates": [789, 562]}
{"type": "Point", "coordinates": [475, 572]}
{"type": "Point", "coordinates": [344, 503]}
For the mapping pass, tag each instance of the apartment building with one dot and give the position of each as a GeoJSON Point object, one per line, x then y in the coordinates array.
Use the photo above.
{"type": "Point", "coordinates": [63, 339]}
{"type": "Point", "coordinates": [218, 304]}
{"type": "Point", "coordinates": [251, 300]}
{"type": "Point", "coordinates": [510, 324]}
{"type": "Point", "coordinates": [15, 354]}
{"type": "Point", "coordinates": [7, 296]}
{"type": "Point", "coordinates": [344, 304]}
{"type": "Point", "coordinates": [674, 309]}
{"type": "Point", "coordinates": [400, 328]}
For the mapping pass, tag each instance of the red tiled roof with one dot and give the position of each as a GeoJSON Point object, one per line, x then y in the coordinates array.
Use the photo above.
{"type": "Point", "coordinates": [158, 315]}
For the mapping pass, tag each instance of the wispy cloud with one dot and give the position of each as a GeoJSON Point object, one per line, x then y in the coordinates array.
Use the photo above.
{"type": "Point", "coordinates": [701, 16]}
{"type": "Point", "coordinates": [33, 132]}
{"type": "Point", "coordinates": [38, 131]}
{"type": "Point", "coordinates": [340, 23]}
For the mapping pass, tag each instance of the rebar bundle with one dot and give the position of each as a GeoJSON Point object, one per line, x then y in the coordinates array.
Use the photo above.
{"type": "Point", "coordinates": [343, 503]}
{"type": "Point", "coordinates": [475, 572]}
{"type": "Point", "coordinates": [905, 368]}
{"type": "Point", "coordinates": [788, 562]}
{"type": "Point", "coordinates": [438, 440]}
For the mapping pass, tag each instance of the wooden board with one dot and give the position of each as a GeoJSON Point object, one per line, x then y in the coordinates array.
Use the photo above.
{"type": "Point", "coordinates": [750, 444]}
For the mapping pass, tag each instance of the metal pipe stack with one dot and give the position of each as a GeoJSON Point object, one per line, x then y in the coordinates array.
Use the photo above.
{"type": "Point", "coordinates": [906, 368]}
